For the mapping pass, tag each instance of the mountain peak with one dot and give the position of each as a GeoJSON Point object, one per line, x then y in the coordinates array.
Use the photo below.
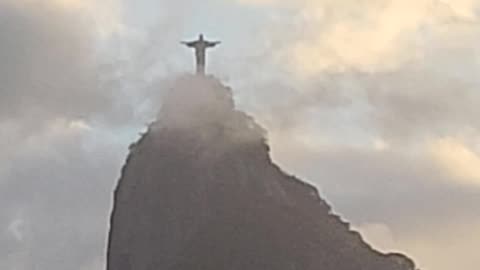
{"type": "Point", "coordinates": [200, 191]}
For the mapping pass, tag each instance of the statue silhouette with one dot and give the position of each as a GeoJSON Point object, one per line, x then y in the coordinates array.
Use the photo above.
{"type": "Point", "coordinates": [201, 45]}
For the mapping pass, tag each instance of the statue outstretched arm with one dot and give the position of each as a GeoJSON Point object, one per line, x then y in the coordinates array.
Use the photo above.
{"type": "Point", "coordinates": [189, 43]}
{"type": "Point", "coordinates": [213, 44]}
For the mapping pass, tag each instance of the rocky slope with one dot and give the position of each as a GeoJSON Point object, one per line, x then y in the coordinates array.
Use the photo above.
{"type": "Point", "coordinates": [199, 191]}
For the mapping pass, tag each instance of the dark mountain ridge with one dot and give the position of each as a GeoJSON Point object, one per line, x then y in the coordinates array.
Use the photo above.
{"type": "Point", "coordinates": [199, 191]}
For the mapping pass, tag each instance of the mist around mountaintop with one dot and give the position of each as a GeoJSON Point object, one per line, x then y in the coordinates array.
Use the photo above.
{"type": "Point", "coordinates": [69, 110]}
{"type": "Point", "coordinates": [199, 191]}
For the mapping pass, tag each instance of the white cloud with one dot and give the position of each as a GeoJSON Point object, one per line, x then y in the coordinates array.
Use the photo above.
{"type": "Point", "coordinates": [79, 125]}
{"type": "Point", "coordinates": [453, 245]}
{"type": "Point", "coordinates": [380, 236]}
{"type": "Point", "coordinates": [365, 35]}
{"type": "Point", "coordinates": [457, 159]}
{"type": "Point", "coordinates": [16, 229]}
{"type": "Point", "coordinates": [458, 241]}
{"type": "Point", "coordinates": [380, 144]}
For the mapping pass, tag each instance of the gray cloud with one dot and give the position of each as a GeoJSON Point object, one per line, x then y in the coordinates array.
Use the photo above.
{"type": "Point", "coordinates": [394, 188]}
{"type": "Point", "coordinates": [56, 173]}
{"type": "Point", "coordinates": [56, 178]}
{"type": "Point", "coordinates": [428, 89]}
{"type": "Point", "coordinates": [48, 67]}
{"type": "Point", "coordinates": [423, 209]}
{"type": "Point", "coordinates": [58, 196]}
{"type": "Point", "coordinates": [69, 107]}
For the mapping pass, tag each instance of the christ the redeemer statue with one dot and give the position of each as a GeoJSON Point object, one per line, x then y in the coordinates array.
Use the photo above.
{"type": "Point", "coordinates": [201, 45]}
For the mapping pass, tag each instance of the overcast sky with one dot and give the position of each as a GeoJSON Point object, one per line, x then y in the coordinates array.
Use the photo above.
{"type": "Point", "coordinates": [374, 101]}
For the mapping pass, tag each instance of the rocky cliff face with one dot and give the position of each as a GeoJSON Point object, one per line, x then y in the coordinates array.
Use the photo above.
{"type": "Point", "coordinates": [199, 191]}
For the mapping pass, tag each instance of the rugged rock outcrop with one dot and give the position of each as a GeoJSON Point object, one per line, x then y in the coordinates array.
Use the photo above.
{"type": "Point", "coordinates": [199, 191]}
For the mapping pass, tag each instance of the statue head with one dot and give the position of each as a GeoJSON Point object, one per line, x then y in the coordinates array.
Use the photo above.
{"type": "Point", "coordinates": [201, 37]}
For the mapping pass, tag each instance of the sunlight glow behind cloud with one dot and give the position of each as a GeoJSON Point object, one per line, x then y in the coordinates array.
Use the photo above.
{"type": "Point", "coordinates": [457, 159]}
{"type": "Point", "coordinates": [366, 35]}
